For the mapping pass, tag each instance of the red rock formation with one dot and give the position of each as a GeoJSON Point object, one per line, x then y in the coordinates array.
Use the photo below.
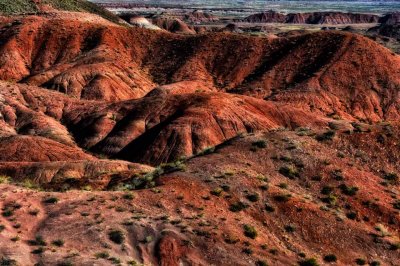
{"type": "Point", "coordinates": [312, 18]}
{"type": "Point", "coordinates": [174, 25]}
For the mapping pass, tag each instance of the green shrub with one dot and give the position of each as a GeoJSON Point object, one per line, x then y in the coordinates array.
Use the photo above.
{"type": "Point", "coordinates": [328, 135]}
{"type": "Point", "coordinates": [351, 215]}
{"type": "Point", "coordinates": [216, 192]}
{"type": "Point", "coordinates": [282, 197]}
{"type": "Point", "coordinates": [261, 263]}
{"type": "Point", "coordinates": [375, 263]}
{"type": "Point", "coordinates": [116, 236]}
{"type": "Point", "coordinates": [290, 228]}
{"type": "Point", "coordinates": [308, 262]}
{"type": "Point", "coordinates": [4, 179]}
{"type": "Point", "coordinates": [250, 231]}
{"type": "Point", "coordinates": [102, 255]}
{"type": "Point", "coordinates": [38, 241]}
{"type": "Point", "coordinates": [330, 200]}
{"type": "Point", "coordinates": [58, 242]}
{"type": "Point", "coordinates": [4, 261]}
{"type": "Point", "coordinates": [330, 258]}
{"type": "Point", "coordinates": [392, 177]}
{"type": "Point", "coordinates": [259, 144]}
{"type": "Point", "coordinates": [238, 206]}
{"type": "Point", "coordinates": [269, 207]}
{"type": "Point", "coordinates": [326, 190]}
{"type": "Point", "coordinates": [360, 261]}
{"type": "Point", "coordinates": [396, 204]}
{"type": "Point", "coordinates": [128, 196]}
{"type": "Point", "coordinates": [289, 171]}
{"type": "Point", "coordinates": [349, 191]}
{"type": "Point", "coordinates": [50, 200]}
{"type": "Point", "coordinates": [253, 197]}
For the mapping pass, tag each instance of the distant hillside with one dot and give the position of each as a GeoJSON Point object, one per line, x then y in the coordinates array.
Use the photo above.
{"type": "Point", "coordinates": [10, 7]}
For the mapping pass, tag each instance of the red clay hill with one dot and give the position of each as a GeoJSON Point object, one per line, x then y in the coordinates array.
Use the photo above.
{"type": "Point", "coordinates": [129, 146]}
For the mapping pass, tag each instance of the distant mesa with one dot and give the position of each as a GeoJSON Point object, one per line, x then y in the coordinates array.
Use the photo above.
{"type": "Point", "coordinates": [312, 18]}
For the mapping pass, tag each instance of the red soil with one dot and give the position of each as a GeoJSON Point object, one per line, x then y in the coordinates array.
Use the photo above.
{"type": "Point", "coordinates": [299, 115]}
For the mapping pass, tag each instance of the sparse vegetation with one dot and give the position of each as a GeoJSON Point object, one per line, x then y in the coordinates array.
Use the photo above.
{"type": "Point", "coordinates": [237, 206]}
{"type": "Point", "coordinates": [58, 242]}
{"type": "Point", "coordinates": [308, 262]}
{"type": "Point", "coordinates": [38, 241]}
{"type": "Point", "coordinates": [330, 258]}
{"type": "Point", "coordinates": [282, 197]}
{"type": "Point", "coordinates": [328, 135]}
{"type": "Point", "coordinates": [360, 261]}
{"type": "Point", "coordinates": [116, 236]}
{"type": "Point", "coordinates": [250, 231]}
{"type": "Point", "coordinates": [269, 207]}
{"type": "Point", "coordinates": [5, 261]}
{"type": "Point", "coordinates": [289, 171]}
{"type": "Point", "coordinates": [349, 191]}
{"type": "Point", "coordinates": [290, 228]}
{"type": "Point", "coordinates": [253, 197]}
{"type": "Point", "coordinates": [102, 255]}
{"type": "Point", "coordinates": [259, 144]}
{"type": "Point", "coordinates": [50, 200]}
{"type": "Point", "coordinates": [4, 179]}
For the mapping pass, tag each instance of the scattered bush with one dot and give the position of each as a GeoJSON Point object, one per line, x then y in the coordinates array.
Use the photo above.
{"type": "Point", "coordinates": [58, 242]}
{"type": "Point", "coordinates": [269, 207]}
{"type": "Point", "coordinates": [394, 246]}
{"type": "Point", "coordinates": [289, 171]}
{"type": "Point", "coordinates": [50, 200]}
{"type": "Point", "coordinates": [375, 263]}
{"type": "Point", "coordinates": [4, 179]}
{"type": "Point", "coordinates": [116, 236]}
{"type": "Point", "coordinates": [102, 255]}
{"type": "Point", "coordinates": [349, 191]}
{"type": "Point", "coordinates": [360, 261]}
{"type": "Point", "coordinates": [290, 228]}
{"type": "Point", "coordinates": [261, 263]}
{"type": "Point", "coordinates": [253, 197]}
{"type": "Point", "coordinates": [391, 177]}
{"type": "Point", "coordinates": [216, 192]}
{"type": "Point", "coordinates": [37, 251]}
{"type": "Point", "coordinates": [326, 190]}
{"type": "Point", "coordinates": [38, 241]}
{"type": "Point", "coordinates": [351, 215]}
{"type": "Point", "coordinates": [282, 197]}
{"type": "Point", "coordinates": [396, 204]}
{"type": "Point", "coordinates": [4, 261]}
{"type": "Point", "coordinates": [328, 135]}
{"type": "Point", "coordinates": [308, 262]}
{"type": "Point", "coordinates": [330, 258]}
{"type": "Point", "coordinates": [128, 196]}
{"type": "Point", "coordinates": [250, 231]}
{"type": "Point", "coordinates": [238, 206]}
{"type": "Point", "coordinates": [259, 144]}
{"type": "Point", "coordinates": [330, 200]}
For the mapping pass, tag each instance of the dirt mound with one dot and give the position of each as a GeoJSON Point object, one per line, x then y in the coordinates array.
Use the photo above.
{"type": "Point", "coordinates": [139, 21]}
{"type": "Point", "coordinates": [163, 127]}
{"type": "Point", "coordinates": [9, 7]}
{"type": "Point", "coordinates": [198, 16]}
{"type": "Point", "coordinates": [86, 65]}
{"type": "Point", "coordinates": [174, 25]}
{"type": "Point", "coordinates": [312, 18]}
{"type": "Point", "coordinates": [38, 149]}
{"type": "Point", "coordinates": [123, 63]}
